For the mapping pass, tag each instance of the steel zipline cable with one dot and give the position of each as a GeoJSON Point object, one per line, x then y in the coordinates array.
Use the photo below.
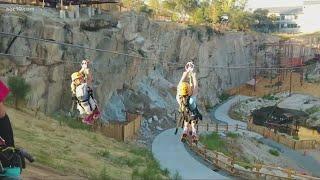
{"type": "Point", "coordinates": [169, 64]}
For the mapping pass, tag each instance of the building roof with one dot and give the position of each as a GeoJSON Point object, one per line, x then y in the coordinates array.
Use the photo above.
{"type": "Point", "coordinates": [286, 10]}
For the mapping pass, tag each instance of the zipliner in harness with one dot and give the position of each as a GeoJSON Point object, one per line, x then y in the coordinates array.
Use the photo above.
{"type": "Point", "coordinates": [189, 113]}
{"type": "Point", "coordinates": [86, 104]}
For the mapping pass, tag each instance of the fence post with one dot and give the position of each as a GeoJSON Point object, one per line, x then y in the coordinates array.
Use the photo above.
{"type": "Point", "coordinates": [232, 164]}
{"type": "Point", "coordinates": [217, 127]}
{"type": "Point", "coordinates": [289, 173]}
{"type": "Point", "coordinates": [294, 144]}
{"type": "Point", "coordinates": [257, 167]}
{"type": "Point", "coordinates": [217, 157]}
{"type": "Point", "coordinates": [236, 127]}
{"type": "Point", "coordinates": [207, 126]}
{"type": "Point", "coordinates": [227, 129]}
{"type": "Point", "coordinates": [205, 152]}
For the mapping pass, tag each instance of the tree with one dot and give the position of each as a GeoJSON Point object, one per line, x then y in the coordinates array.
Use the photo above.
{"type": "Point", "coordinates": [202, 13]}
{"type": "Point", "coordinates": [133, 4]}
{"type": "Point", "coordinates": [19, 89]}
{"type": "Point", "coordinates": [241, 20]}
{"type": "Point", "coordinates": [154, 4]}
{"type": "Point", "coordinates": [144, 8]}
{"type": "Point", "coordinates": [264, 23]}
{"type": "Point", "coordinates": [169, 5]}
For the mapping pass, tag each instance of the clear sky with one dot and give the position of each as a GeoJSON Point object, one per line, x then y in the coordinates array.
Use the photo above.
{"type": "Point", "coordinates": [273, 3]}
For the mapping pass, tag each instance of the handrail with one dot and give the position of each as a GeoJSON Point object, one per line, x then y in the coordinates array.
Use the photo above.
{"type": "Point", "coordinates": [206, 154]}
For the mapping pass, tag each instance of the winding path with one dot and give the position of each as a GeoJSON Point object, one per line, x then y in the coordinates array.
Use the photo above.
{"type": "Point", "coordinates": [222, 114]}
{"type": "Point", "coordinates": [171, 154]}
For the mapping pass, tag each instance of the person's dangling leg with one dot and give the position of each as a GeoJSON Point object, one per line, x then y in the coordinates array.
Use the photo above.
{"type": "Point", "coordinates": [185, 127]}
{"type": "Point", "coordinates": [193, 127]}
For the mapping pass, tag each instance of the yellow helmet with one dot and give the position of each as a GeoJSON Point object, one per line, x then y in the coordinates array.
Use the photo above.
{"type": "Point", "coordinates": [76, 75]}
{"type": "Point", "coordinates": [183, 89]}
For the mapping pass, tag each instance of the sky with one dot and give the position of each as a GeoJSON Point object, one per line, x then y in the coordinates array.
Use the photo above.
{"type": "Point", "coordinates": [273, 3]}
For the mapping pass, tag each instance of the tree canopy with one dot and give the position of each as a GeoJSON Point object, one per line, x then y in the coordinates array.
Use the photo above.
{"type": "Point", "coordinates": [208, 12]}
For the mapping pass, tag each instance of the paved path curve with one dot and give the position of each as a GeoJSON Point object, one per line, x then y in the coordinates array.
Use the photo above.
{"type": "Point", "coordinates": [171, 154]}
{"type": "Point", "coordinates": [222, 114]}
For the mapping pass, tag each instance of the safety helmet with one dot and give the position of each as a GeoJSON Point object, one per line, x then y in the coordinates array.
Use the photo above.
{"type": "Point", "coordinates": [76, 75]}
{"type": "Point", "coordinates": [184, 89]}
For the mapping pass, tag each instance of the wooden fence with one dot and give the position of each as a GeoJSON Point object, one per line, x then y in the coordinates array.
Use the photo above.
{"type": "Point", "coordinates": [122, 131]}
{"type": "Point", "coordinates": [216, 127]}
{"type": "Point", "coordinates": [284, 139]}
{"type": "Point", "coordinates": [255, 171]}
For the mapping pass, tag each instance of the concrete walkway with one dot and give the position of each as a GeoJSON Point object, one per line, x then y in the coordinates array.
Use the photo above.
{"type": "Point", "coordinates": [222, 115]}
{"type": "Point", "coordinates": [171, 154]}
{"type": "Point", "coordinates": [222, 112]}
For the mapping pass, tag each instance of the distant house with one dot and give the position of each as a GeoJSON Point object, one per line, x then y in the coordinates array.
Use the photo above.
{"type": "Point", "coordinates": [287, 18]}
{"type": "Point", "coordinates": [305, 18]}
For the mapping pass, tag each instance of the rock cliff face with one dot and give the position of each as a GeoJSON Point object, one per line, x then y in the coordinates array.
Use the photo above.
{"type": "Point", "coordinates": [145, 80]}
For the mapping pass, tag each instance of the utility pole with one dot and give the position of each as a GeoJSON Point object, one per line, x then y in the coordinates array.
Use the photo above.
{"type": "Point", "coordinates": [255, 68]}
{"type": "Point", "coordinates": [291, 56]}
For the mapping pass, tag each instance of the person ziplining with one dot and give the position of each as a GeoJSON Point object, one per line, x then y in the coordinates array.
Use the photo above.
{"type": "Point", "coordinates": [186, 97]}
{"type": "Point", "coordinates": [82, 94]}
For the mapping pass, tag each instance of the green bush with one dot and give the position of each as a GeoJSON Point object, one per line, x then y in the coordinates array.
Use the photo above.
{"type": "Point", "coordinates": [270, 97]}
{"type": "Point", "coordinates": [224, 96]}
{"type": "Point", "coordinates": [232, 135]}
{"type": "Point", "coordinates": [105, 153]}
{"type": "Point", "coordinates": [274, 152]}
{"type": "Point", "coordinates": [19, 89]}
{"type": "Point", "coordinates": [214, 142]}
{"type": "Point", "coordinates": [295, 137]}
{"type": "Point", "coordinates": [146, 9]}
{"type": "Point", "coordinates": [312, 110]}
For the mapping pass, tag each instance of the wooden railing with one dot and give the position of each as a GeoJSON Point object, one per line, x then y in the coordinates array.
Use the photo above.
{"type": "Point", "coordinates": [217, 127]}
{"type": "Point", "coordinates": [255, 171]}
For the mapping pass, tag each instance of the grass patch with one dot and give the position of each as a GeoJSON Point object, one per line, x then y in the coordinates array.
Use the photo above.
{"type": "Point", "coordinates": [312, 110]}
{"type": "Point", "coordinates": [214, 142]}
{"type": "Point", "coordinates": [224, 96]}
{"type": "Point", "coordinates": [274, 152]}
{"type": "Point", "coordinates": [104, 153]}
{"type": "Point", "coordinates": [270, 97]}
{"type": "Point", "coordinates": [235, 115]}
{"type": "Point", "coordinates": [295, 137]}
{"type": "Point", "coordinates": [71, 122]}
{"type": "Point", "coordinates": [246, 165]}
{"type": "Point", "coordinates": [232, 135]}
{"type": "Point", "coordinates": [81, 152]}
{"type": "Point", "coordinates": [103, 175]}
{"type": "Point", "coordinates": [152, 171]}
